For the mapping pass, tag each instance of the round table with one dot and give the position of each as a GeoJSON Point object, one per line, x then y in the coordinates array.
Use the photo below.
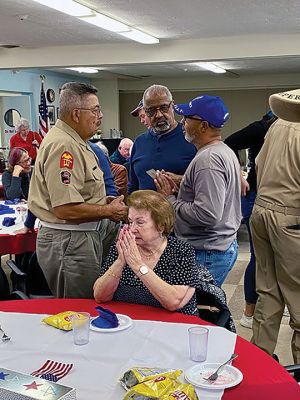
{"type": "Point", "coordinates": [263, 377]}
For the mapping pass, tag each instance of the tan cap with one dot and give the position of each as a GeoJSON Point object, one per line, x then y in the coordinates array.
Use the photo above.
{"type": "Point", "coordinates": [135, 112]}
{"type": "Point", "coordinates": [286, 105]}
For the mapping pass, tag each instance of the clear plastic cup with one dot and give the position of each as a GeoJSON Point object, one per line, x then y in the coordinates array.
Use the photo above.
{"type": "Point", "coordinates": [81, 328]}
{"type": "Point", "coordinates": [198, 341]}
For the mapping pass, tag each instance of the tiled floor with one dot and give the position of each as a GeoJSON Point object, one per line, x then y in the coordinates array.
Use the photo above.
{"type": "Point", "coordinates": [234, 288]}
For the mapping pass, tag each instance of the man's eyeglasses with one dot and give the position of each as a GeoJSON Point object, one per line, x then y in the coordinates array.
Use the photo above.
{"type": "Point", "coordinates": [164, 108]}
{"type": "Point", "coordinates": [96, 110]}
{"type": "Point", "coordinates": [185, 117]}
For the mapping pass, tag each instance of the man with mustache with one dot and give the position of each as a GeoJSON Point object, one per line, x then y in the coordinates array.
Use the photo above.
{"type": "Point", "coordinates": [161, 147]}
{"type": "Point", "coordinates": [67, 193]}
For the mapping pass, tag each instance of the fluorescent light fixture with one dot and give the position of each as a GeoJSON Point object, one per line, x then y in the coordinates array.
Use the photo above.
{"type": "Point", "coordinates": [140, 37]}
{"type": "Point", "coordinates": [86, 14]}
{"type": "Point", "coordinates": [211, 67]}
{"type": "Point", "coordinates": [86, 70]}
{"type": "Point", "coordinates": [69, 7]}
{"type": "Point", "coordinates": [105, 22]}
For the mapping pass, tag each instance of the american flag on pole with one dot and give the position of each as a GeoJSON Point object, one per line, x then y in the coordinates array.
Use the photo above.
{"type": "Point", "coordinates": [43, 111]}
{"type": "Point", "coordinates": [53, 370]}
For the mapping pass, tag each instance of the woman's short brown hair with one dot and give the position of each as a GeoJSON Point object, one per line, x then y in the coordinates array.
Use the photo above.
{"type": "Point", "coordinates": [160, 209]}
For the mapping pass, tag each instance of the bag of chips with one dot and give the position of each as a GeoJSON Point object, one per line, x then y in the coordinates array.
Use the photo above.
{"type": "Point", "coordinates": [184, 391]}
{"type": "Point", "coordinates": [61, 320]}
{"type": "Point", "coordinates": [162, 388]}
{"type": "Point", "coordinates": [141, 374]}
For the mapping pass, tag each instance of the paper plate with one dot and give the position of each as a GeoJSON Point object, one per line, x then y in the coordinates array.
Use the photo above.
{"type": "Point", "coordinates": [229, 377]}
{"type": "Point", "coordinates": [124, 323]}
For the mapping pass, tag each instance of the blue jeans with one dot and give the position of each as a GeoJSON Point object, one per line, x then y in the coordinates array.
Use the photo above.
{"type": "Point", "coordinates": [249, 278]}
{"type": "Point", "coordinates": [219, 263]}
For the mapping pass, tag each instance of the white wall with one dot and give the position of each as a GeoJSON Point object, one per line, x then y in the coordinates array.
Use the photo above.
{"type": "Point", "coordinates": [246, 98]}
{"type": "Point", "coordinates": [19, 103]}
{"type": "Point", "coordinates": [109, 101]}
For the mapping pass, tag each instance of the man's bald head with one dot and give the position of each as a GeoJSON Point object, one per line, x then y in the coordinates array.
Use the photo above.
{"type": "Point", "coordinates": [125, 147]}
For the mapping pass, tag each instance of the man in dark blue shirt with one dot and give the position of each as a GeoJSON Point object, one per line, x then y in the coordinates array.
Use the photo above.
{"type": "Point", "coordinates": [110, 186]}
{"type": "Point", "coordinates": [161, 147]}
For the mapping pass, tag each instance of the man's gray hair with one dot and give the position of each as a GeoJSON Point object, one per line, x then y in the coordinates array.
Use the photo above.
{"type": "Point", "coordinates": [102, 147]}
{"type": "Point", "coordinates": [72, 96]}
{"type": "Point", "coordinates": [155, 90]}
{"type": "Point", "coordinates": [22, 123]}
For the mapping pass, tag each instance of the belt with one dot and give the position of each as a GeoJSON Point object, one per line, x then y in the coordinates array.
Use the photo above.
{"type": "Point", "coordinates": [278, 208]}
{"type": "Point", "coordinates": [85, 226]}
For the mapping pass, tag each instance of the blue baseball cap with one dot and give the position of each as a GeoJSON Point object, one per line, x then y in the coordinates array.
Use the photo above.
{"type": "Point", "coordinates": [209, 108]}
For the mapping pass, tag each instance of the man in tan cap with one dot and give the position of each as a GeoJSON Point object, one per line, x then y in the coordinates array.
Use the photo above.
{"type": "Point", "coordinates": [275, 225]}
{"type": "Point", "coordinates": [67, 193]}
{"type": "Point", "coordinates": [140, 112]}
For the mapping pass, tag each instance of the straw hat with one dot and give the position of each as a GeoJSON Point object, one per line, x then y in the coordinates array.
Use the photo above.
{"type": "Point", "coordinates": [286, 105]}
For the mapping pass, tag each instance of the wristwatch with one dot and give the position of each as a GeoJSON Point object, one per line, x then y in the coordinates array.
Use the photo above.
{"type": "Point", "coordinates": [143, 270]}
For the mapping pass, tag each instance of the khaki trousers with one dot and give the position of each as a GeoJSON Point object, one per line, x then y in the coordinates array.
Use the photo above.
{"type": "Point", "coordinates": [277, 250]}
{"type": "Point", "coordinates": [71, 260]}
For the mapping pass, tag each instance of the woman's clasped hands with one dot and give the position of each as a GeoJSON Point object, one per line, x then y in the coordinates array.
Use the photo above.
{"type": "Point", "coordinates": [128, 250]}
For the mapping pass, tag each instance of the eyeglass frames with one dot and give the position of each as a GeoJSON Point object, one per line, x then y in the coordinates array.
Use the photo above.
{"type": "Point", "coordinates": [185, 117]}
{"type": "Point", "coordinates": [164, 108]}
{"type": "Point", "coordinates": [96, 110]}
{"type": "Point", "coordinates": [27, 161]}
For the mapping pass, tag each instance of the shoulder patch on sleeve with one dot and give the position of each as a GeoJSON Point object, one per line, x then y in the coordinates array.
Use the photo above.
{"type": "Point", "coordinates": [65, 177]}
{"type": "Point", "coordinates": [66, 160]}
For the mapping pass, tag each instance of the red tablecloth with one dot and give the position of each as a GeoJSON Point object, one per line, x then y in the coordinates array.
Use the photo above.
{"type": "Point", "coordinates": [17, 244]}
{"type": "Point", "coordinates": [264, 378]}
{"type": "Point", "coordinates": [1, 191]}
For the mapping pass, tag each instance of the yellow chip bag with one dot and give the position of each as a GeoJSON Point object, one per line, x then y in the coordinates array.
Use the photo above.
{"type": "Point", "coordinates": [184, 391]}
{"type": "Point", "coordinates": [61, 320]}
{"type": "Point", "coordinates": [141, 374]}
{"type": "Point", "coordinates": [162, 388]}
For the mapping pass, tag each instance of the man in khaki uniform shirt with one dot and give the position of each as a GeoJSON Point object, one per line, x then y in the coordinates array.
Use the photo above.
{"type": "Point", "coordinates": [275, 226]}
{"type": "Point", "coordinates": [67, 194]}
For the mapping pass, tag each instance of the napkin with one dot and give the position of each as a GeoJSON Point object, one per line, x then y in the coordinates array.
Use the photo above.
{"type": "Point", "coordinates": [106, 319]}
{"type": "Point", "coordinates": [6, 210]}
{"type": "Point", "coordinates": [7, 221]}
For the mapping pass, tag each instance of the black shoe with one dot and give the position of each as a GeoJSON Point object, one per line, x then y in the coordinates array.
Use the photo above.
{"type": "Point", "coordinates": [275, 356]}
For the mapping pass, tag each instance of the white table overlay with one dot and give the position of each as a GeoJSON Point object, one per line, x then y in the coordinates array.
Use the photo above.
{"type": "Point", "coordinates": [99, 364]}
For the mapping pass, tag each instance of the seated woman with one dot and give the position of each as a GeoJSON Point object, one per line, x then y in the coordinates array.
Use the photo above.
{"type": "Point", "coordinates": [16, 177]}
{"type": "Point", "coordinates": [147, 266]}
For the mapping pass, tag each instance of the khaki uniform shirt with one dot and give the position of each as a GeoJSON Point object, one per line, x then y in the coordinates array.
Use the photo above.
{"type": "Point", "coordinates": [66, 171]}
{"type": "Point", "coordinates": [278, 165]}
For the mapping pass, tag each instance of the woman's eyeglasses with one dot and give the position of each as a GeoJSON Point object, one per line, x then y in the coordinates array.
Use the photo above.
{"type": "Point", "coordinates": [164, 108]}
{"type": "Point", "coordinates": [26, 161]}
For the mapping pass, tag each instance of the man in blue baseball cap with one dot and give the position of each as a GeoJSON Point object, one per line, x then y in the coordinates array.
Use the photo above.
{"type": "Point", "coordinates": [207, 204]}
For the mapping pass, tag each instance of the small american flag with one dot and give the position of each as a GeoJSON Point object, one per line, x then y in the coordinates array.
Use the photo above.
{"type": "Point", "coordinates": [43, 111]}
{"type": "Point", "coordinates": [53, 370]}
